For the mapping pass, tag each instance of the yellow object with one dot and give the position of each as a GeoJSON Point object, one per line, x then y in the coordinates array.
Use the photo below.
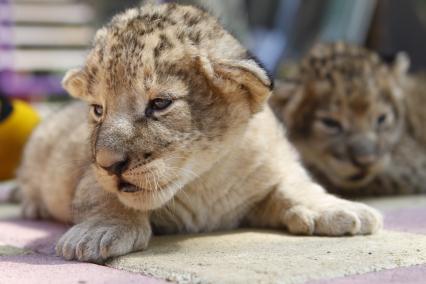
{"type": "Point", "coordinates": [14, 133]}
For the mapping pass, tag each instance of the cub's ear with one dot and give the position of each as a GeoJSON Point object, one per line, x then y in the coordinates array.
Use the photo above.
{"type": "Point", "coordinates": [401, 65]}
{"type": "Point", "coordinates": [238, 76]}
{"type": "Point", "coordinates": [74, 82]}
{"type": "Point", "coordinates": [284, 90]}
{"type": "Point", "coordinates": [286, 100]}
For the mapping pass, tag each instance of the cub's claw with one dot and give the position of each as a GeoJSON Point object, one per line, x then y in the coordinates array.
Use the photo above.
{"type": "Point", "coordinates": [336, 219]}
{"type": "Point", "coordinates": [97, 241]}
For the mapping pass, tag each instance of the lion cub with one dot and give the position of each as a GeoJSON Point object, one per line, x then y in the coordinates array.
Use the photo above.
{"type": "Point", "coordinates": [357, 121]}
{"type": "Point", "coordinates": [178, 138]}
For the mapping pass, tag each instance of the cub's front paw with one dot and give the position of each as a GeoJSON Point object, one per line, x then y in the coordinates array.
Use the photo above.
{"type": "Point", "coordinates": [95, 241]}
{"type": "Point", "coordinates": [336, 218]}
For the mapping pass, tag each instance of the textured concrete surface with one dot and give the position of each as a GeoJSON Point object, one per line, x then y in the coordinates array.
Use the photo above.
{"type": "Point", "coordinates": [272, 257]}
{"type": "Point", "coordinates": [278, 258]}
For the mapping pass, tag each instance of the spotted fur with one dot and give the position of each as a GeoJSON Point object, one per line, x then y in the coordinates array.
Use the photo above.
{"type": "Point", "coordinates": [179, 138]}
{"type": "Point", "coordinates": [348, 114]}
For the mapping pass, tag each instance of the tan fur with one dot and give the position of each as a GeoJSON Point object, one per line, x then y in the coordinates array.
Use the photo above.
{"type": "Point", "coordinates": [375, 115]}
{"type": "Point", "coordinates": [209, 161]}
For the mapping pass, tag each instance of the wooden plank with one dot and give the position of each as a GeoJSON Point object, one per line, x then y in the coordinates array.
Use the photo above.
{"type": "Point", "coordinates": [46, 36]}
{"type": "Point", "coordinates": [41, 60]}
{"type": "Point", "coordinates": [60, 13]}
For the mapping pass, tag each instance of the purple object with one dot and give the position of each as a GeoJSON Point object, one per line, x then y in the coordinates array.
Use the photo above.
{"type": "Point", "coordinates": [5, 12]}
{"type": "Point", "coordinates": [24, 85]}
{"type": "Point", "coordinates": [18, 84]}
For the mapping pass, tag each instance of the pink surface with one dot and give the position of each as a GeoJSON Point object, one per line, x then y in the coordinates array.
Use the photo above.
{"type": "Point", "coordinates": [35, 235]}
{"type": "Point", "coordinates": [37, 268]}
{"type": "Point", "coordinates": [412, 220]}
{"type": "Point", "coordinates": [407, 275]}
{"type": "Point", "coordinates": [41, 237]}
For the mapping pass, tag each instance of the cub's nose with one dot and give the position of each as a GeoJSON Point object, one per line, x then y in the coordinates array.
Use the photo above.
{"type": "Point", "coordinates": [363, 151]}
{"type": "Point", "coordinates": [113, 162]}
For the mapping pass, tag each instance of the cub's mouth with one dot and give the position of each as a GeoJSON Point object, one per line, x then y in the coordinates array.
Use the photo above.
{"type": "Point", "coordinates": [358, 177]}
{"type": "Point", "coordinates": [127, 187]}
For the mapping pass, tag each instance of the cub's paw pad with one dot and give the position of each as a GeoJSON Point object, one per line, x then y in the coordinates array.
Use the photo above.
{"type": "Point", "coordinates": [96, 242]}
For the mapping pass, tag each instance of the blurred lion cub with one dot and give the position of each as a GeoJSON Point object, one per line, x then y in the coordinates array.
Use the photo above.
{"type": "Point", "coordinates": [178, 139]}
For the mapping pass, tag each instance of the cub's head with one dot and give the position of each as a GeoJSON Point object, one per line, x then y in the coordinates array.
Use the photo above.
{"type": "Point", "coordinates": [169, 91]}
{"type": "Point", "coordinates": [343, 110]}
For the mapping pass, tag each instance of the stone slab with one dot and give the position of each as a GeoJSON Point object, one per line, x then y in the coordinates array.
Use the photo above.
{"type": "Point", "coordinates": [271, 257]}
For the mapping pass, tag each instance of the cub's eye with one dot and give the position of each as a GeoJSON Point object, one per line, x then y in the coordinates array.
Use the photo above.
{"type": "Point", "coordinates": [381, 119]}
{"type": "Point", "coordinates": [331, 124]}
{"type": "Point", "coordinates": [157, 104]}
{"type": "Point", "coordinates": [160, 104]}
{"type": "Point", "coordinates": [97, 111]}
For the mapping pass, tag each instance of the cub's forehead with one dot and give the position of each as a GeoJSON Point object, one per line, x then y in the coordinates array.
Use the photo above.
{"type": "Point", "coordinates": [341, 61]}
{"type": "Point", "coordinates": [152, 31]}
{"type": "Point", "coordinates": [345, 69]}
{"type": "Point", "coordinates": [151, 43]}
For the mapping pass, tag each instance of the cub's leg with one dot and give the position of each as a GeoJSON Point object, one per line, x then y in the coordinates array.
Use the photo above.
{"type": "Point", "coordinates": [33, 208]}
{"type": "Point", "coordinates": [104, 228]}
{"type": "Point", "coordinates": [32, 205]}
{"type": "Point", "coordinates": [303, 207]}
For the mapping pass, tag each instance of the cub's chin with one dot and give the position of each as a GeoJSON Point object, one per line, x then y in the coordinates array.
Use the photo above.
{"type": "Point", "coordinates": [359, 179]}
{"type": "Point", "coordinates": [348, 176]}
{"type": "Point", "coordinates": [146, 199]}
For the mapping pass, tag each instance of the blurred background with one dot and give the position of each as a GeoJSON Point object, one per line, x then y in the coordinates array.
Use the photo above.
{"type": "Point", "coordinates": [41, 39]}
